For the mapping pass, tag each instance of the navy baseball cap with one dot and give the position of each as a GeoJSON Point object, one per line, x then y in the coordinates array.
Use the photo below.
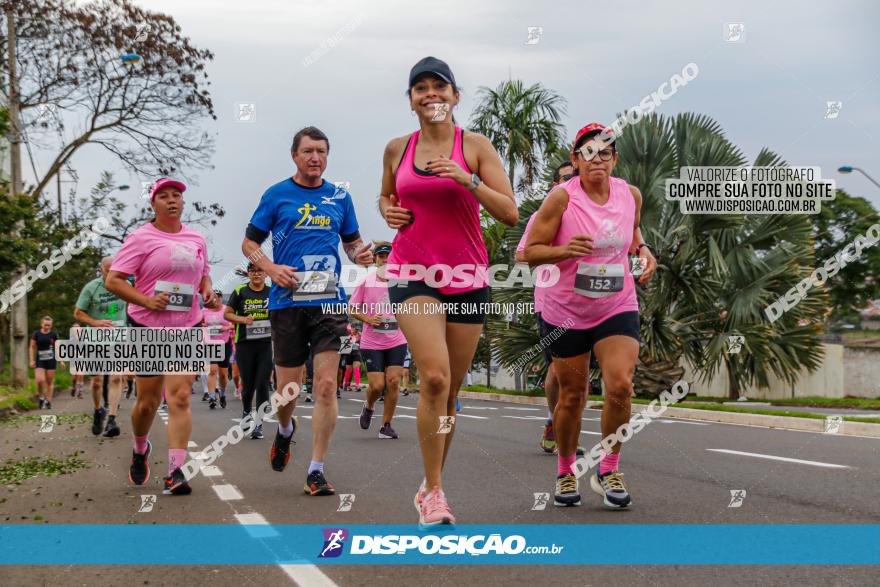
{"type": "Point", "coordinates": [434, 66]}
{"type": "Point", "coordinates": [383, 249]}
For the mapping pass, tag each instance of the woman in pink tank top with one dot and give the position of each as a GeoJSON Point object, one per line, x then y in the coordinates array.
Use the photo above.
{"type": "Point", "coordinates": [588, 227]}
{"type": "Point", "coordinates": [434, 182]}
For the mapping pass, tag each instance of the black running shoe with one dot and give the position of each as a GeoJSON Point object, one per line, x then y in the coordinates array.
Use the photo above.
{"type": "Point", "coordinates": [309, 398]}
{"type": "Point", "coordinates": [205, 396]}
{"type": "Point", "coordinates": [212, 403]}
{"type": "Point", "coordinates": [42, 403]}
{"type": "Point", "coordinates": [98, 421]}
{"type": "Point", "coordinates": [279, 454]}
{"type": "Point", "coordinates": [223, 400]}
{"type": "Point", "coordinates": [48, 405]}
{"type": "Point", "coordinates": [112, 429]}
{"type": "Point", "coordinates": [316, 484]}
{"type": "Point", "coordinates": [139, 472]}
{"type": "Point", "coordinates": [257, 434]}
{"type": "Point", "coordinates": [175, 484]}
{"type": "Point", "coordinates": [338, 394]}
{"type": "Point", "coordinates": [366, 417]}
{"type": "Point", "coordinates": [386, 431]}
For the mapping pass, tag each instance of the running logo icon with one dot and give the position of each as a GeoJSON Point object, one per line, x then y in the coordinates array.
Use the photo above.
{"type": "Point", "coordinates": [833, 424]}
{"type": "Point", "coordinates": [637, 266]}
{"type": "Point", "coordinates": [534, 33]}
{"type": "Point", "coordinates": [446, 424]}
{"type": "Point", "coordinates": [737, 497]}
{"type": "Point", "coordinates": [735, 343]}
{"type": "Point", "coordinates": [832, 109]}
{"type": "Point", "coordinates": [541, 501]}
{"type": "Point", "coordinates": [246, 112]}
{"type": "Point", "coordinates": [147, 503]}
{"type": "Point", "coordinates": [346, 501]}
{"type": "Point", "coordinates": [334, 541]}
{"type": "Point", "coordinates": [735, 32]}
{"type": "Point", "coordinates": [440, 111]}
{"type": "Point", "coordinates": [47, 423]}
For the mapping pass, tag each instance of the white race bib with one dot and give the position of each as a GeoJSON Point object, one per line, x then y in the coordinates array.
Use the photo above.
{"type": "Point", "coordinates": [388, 325]}
{"type": "Point", "coordinates": [46, 355]}
{"type": "Point", "coordinates": [315, 285]}
{"type": "Point", "coordinates": [259, 329]}
{"type": "Point", "coordinates": [598, 280]}
{"type": "Point", "coordinates": [180, 295]}
{"type": "Point", "coordinates": [215, 331]}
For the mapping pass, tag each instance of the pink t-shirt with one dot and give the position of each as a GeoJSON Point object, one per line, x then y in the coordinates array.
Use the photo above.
{"type": "Point", "coordinates": [371, 298]}
{"type": "Point", "coordinates": [606, 283]}
{"type": "Point", "coordinates": [539, 291]}
{"type": "Point", "coordinates": [176, 261]}
{"type": "Point", "coordinates": [215, 318]}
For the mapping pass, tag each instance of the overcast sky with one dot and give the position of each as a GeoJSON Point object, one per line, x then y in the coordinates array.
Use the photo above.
{"type": "Point", "coordinates": [603, 57]}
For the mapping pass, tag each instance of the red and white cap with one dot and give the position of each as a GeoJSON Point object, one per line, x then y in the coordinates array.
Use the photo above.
{"type": "Point", "coordinates": [591, 129]}
{"type": "Point", "coordinates": [164, 183]}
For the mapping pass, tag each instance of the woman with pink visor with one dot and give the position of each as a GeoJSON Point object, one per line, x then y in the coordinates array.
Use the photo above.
{"type": "Point", "coordinates": [587, 227]}
{"type": "Point", "coordinates": [169, 262]}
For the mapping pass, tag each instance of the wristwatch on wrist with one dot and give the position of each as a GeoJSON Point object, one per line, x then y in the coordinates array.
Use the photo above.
{"type": "Point", "coordinates": [475, 182]}
{"type": "Point", "coordinates": [639, 248]}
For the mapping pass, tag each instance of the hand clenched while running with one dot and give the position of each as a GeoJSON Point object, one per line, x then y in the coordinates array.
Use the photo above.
{"type": "Point", "coordinates": [580, 245]}
{"type": "Point", "coordinates": [446, 167]}
{"type": "Point", "coordinates": [650, 264]}
{"type": "Point", "coordinates": [283, 275]}
{"type": "Point", "coordinates": [158, 302]}
{"type": "Point", "coordinates": [395, 216]}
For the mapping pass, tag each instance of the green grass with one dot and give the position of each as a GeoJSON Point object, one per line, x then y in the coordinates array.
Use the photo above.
{"type": "Point", "coordinates": [789, 413]}
{"type": "Point", "coordinates": [484, 389]}
{"type": "Point", "coordinates": [714, 403]}
{"type": "Point", "coordinates": [14, 472]}
{"type": "Point", "coordinates": [855, 403]}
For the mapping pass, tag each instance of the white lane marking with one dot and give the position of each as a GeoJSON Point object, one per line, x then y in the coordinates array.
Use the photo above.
{"type": "Point", "coordinates": [211, 471]}
{"type": "Point", "coordinates": [460, 415]}
{"type": "Point", "coordinates": [775, 458]}
{"type": "Point", "coordinates": [524, 409]}
{"type": "Point", "coordinates": [404, 416]}
{"type": "Point", "coordinates": [256, 520]}
{"type": "Point", "coordinates": [593, 433]}
{"type": "Point", "coordinates": [227, 492]}
{"type": "Point", "coordinates": [400, 407]}
{"type": "Point", "coordinates": [525, 417]}
{"type": "Point", "coordinates": [191, 444]}
{"type": "Point", "coordinates": [591, 419]}
{"type": "Point", "coordinates": [683, 422]}
{"type": "Point", "coordinates": [478, 407]}
{"type": "Point", "coordinates": [307, 575]}
{"type": "Point", "coordinates": [351, 399]}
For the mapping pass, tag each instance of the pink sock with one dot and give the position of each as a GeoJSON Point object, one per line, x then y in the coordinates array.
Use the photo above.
{"type": "Point", "coordinates": [566, 464]}
{"type": "Point", "coordinates": [357, 377]}
{"type": "Point", "coordinates": [609, 463]}
{"type": "Point", "coordinates": [140, 444]}
{"type": "Point", "coordinates": [176, 458]}
{"type": "Point", "coordinates": [347, 377]}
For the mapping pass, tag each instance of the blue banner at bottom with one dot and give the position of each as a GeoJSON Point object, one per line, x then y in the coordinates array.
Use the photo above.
{"type": "Point", "coordinates": [522, 544]}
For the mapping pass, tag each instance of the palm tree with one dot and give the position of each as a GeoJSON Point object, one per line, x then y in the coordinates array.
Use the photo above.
{"type": "Point", "coordinates": [521, 122]}
{"type": "Point", "coordinates": [716, 273]}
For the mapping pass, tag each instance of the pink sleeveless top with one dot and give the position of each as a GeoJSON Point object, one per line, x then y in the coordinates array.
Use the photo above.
{"type": "Point", "coordinates": [445, 235]}
{"type": "Point", "coordinates": [605, 283]}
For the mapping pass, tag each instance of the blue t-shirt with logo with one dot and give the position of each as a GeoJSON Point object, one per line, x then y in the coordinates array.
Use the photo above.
{"type": "Point", "coordinates": [305, 224]}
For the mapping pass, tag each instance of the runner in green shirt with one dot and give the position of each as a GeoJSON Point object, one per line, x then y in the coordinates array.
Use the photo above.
{"type": "Point", "coordinates": [96, 307]}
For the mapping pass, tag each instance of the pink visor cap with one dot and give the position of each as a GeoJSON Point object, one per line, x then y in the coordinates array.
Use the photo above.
{"type": "Point", "coordinates": [164, 183]}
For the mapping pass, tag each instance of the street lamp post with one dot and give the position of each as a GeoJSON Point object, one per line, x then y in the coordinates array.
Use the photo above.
{"type": "Point", "coordinates": [850, 169]}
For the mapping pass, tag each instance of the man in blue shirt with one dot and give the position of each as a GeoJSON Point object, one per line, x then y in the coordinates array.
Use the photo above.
{"type": "Point", "coordinates": [307, 217]}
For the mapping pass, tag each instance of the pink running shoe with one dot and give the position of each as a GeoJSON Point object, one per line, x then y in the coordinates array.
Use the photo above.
{"type": "Point", "coordinates": [420, 496]}
{"type": "Point", "coordinates": [435, 511]}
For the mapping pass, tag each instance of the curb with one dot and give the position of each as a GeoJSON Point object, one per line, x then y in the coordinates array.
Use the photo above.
{"type": "Point", "coordinates": [862, 429]}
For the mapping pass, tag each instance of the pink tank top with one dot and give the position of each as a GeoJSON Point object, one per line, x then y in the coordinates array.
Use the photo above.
{"type": "Point", "coordinates": [445, 236]}
{"type": "Point", "coordinates": [591, 289]}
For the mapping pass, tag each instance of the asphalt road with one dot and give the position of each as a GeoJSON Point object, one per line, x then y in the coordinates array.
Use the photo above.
{"type": "Point", "coordinates": [677, 472]}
